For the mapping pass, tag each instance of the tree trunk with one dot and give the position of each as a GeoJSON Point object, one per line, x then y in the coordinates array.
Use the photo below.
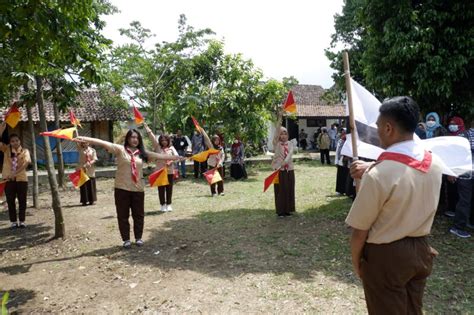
{"type": "Point", "coordinates": [59, 148]}
{"type": "Point", "coordinates": [31, 129]}
{"type": "Point", "coordinates": [154, 115]}
{"type": "Point", "coordinates": [59, 229]}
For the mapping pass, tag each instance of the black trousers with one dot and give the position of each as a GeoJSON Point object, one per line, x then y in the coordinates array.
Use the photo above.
{"type": "Point", "coordinates": [341, 179]}
{"type": "Point", "coordinates": [14, 190]}
{"type": "Point", "coordinates": [89, 192]}
{"type": "Point", "coordinates": [465, 205]}
{"type": "Point", "coordinates": [199, 168]}
{"type": "Point", "coordinates": [124, 202]}
{"type": "Point", "coordinates": [219, 184]}
{"type": "Point", "coordinates": [325, 156]}
{"type": "Point", "coordinates": [165, 193]}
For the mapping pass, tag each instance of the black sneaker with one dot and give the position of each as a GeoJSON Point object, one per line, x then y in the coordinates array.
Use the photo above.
{"type": "Point", "coordinates": [22, 225]}
{"type": "Point", "coordinates": [460, 233]}
{"type": "Point", "coordinates": [14, 225]}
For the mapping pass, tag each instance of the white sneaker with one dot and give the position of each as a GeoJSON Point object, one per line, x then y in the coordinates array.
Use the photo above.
{"type": "Point", "coordinates": [221, 194]}
{"type": "Point", "coordinates": [169, 208]}
{"type": "Point", "coordinates": [127, 244]}
{"type": "Point", "coordinates": [139, 243]}
{"type": "Point", "coordinates": [213, 195]}
{"type": "Point", "coordinates": [163, 208]}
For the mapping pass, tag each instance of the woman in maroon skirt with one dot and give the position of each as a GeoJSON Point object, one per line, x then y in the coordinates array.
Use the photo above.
{"type": "Point", "coordinates": [283, 161]}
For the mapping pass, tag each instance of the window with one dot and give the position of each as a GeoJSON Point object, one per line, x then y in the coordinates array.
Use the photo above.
{"type": "Point", "coordinates": [315, 122]}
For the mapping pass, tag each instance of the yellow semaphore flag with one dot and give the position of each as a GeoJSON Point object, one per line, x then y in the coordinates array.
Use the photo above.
{"type": "Point", "coordinates": [290, 104]}
{"type": "Point", "coordinates": [204, 155]}
{"type": "Point", "coordinates": [67, 133]}
{"type": "Point", "coordinates": [13, 116]}
{"type": "Point", "coordinates": [159, 178]}
{"type": "Point", "coordinates": [78, 178]}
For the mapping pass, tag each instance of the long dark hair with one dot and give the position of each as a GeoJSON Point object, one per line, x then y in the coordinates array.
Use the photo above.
{"type": "Point", "coordinates": [143, 155]}
{"type": "Point", "coordinates": [164, 137]}
{"type": "Point", "coordinates": [13, 135]}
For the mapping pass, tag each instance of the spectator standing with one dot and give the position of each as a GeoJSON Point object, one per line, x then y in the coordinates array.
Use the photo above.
{"type": "Point", "coordinates": [332, 136]}
{"type": "Point", "coordinates": [181, 144]}
{"type": "Point", "coordinates": [197, 142]}
{"type": "Point", "coordinates": [324, 143]}
{"type": "Point", "coordinates": [433, 126]}
{"type": "Point", "coordinates": [303, 137]}
{"type": "Point", "coordinates": [464, 213]}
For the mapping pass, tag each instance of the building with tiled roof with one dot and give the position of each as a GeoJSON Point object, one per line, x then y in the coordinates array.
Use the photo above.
{"type": "Point", "coordinates": [313, 112]}
{"type": "Point", "coordinates": [97, 120]}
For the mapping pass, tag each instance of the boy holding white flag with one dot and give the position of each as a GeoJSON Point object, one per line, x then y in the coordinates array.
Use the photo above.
{"type": "Point", "coordinates": [393, 214]}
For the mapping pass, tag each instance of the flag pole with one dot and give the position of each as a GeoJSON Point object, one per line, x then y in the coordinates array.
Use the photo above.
{"type": "Point", "coordinates": [354, 136]}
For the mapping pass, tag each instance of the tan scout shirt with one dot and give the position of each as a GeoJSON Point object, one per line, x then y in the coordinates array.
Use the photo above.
{"type": "Point", "coordinates": [396, 201]}
{"type": "Point", "coordinates": [83, 153]}
{"type": "Point", "coordinates": [279, 158]}
{"type": "Point", "coordinates": [161, 163]}
{"type": "Point", "coordinates": [23, 157]}
{"type": "Point", "coordinates": [123, 175]}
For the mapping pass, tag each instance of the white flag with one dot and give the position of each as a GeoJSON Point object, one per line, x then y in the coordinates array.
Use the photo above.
{"type": "Point", "coordinates": [455, 152]}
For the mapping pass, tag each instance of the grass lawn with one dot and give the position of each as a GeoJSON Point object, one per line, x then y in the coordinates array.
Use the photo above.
{"type": "Point", "coordinates": [211, 255]}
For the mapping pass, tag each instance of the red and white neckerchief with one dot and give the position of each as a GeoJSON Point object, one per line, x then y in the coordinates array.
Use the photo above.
{"type": "Point", "coordinates": [422, 166]}
{"type": "Point", "coordinates": [285, 153]}
{"type": "Point", "coordinates": [88, 154]}
{"type": "Point", "coordinates": [133, 164]}
{"type": "Point", "coordinates": [15, 159]}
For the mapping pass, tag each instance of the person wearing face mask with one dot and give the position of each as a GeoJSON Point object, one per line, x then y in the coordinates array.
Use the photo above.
{"type": "Point", "coordinates": [283, 161]}
{"type": "Point", "coordinates": [464, 212]}
{"type": "Point", "coordinates": [455, 128]}
{"type": "Point", "coordinates": [433, 126]}
{"type": "Point", "coordinates": [15, 162]}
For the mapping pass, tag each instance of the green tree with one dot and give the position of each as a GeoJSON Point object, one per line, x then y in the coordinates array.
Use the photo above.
{"type": "Point", "coordinates": [49, 38]}
{"type": "Point", "coordinates": [420, 48]}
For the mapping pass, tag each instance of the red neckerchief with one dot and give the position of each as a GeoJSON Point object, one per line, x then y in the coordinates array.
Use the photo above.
{"type": "Point", "coordinates": [133, 164]}
{"type": "Point", "coordinates": [422, 166]}
{"type": "Point", "coordinates": [285, 153]}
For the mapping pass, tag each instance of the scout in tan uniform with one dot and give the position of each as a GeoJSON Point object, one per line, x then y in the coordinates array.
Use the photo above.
{"type": "Point", "coordinates": [87, 160]}
{"type": "Point", "coordinates": [129, 187]}
{"type": "Point", "coordinates": [162, 144]}
{"type": "Point", "coordinates": [393, 213]}
{"type": "Point", "coordinates": [283, 161]}
{"type": "Point", "coordinates": [215, 160]}
{"type": "Point", "coordinates": [15, 161]}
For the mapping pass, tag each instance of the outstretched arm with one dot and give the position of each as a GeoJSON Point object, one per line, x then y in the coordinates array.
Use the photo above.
{"type": "Point", "coordinates": [207, 141]}
{"type": "Point", "coordinates": [152, 137]}
{"type": "Point", "coordinates": [109, 146]}
{"type": "Point", "coordinates": [166, 157]}
{"type": "Point", "coordinates": [277, 127]}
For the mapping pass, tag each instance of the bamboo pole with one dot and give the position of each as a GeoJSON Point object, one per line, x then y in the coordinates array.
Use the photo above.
{"type": "Point", "coordinates": [354, 136]}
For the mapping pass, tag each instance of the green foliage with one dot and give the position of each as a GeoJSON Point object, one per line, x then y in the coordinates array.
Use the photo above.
{"type": "Point", "coordinates": [194, 76]}
{"type": "Point", "coordinates": [420, 48]}
{"type": "Point", "coordinates": [5, 297]}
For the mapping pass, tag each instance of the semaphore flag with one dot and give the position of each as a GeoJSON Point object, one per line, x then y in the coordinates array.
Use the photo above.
{"type": "Point", "coordinates": [138, 116]}
{"type": "Point", "coordinates": [78, 178]}
{"type": "Point", "coordinates": [204, 155]}
{"type": "Point", "coordinates": [455, 152]}
{"type": "Point", "coordinates": [13, 116]}
{"type": "Point", "coordinates": [196, 124]}
{"type": "Point", "coordinates": [272, 179]}
{"type": "Point", "coordinates": [290, 105]}
{"type": "Point", "coordinates": [212, 176]}
{"type": "Point", "coordinates": [159, 178]}
{"type": "Point", "coordinates": [2, 187]}
{"type": "Point", "coordinates": [76, 122]}
{"type": "Point", "coordinates": [67, 133]}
